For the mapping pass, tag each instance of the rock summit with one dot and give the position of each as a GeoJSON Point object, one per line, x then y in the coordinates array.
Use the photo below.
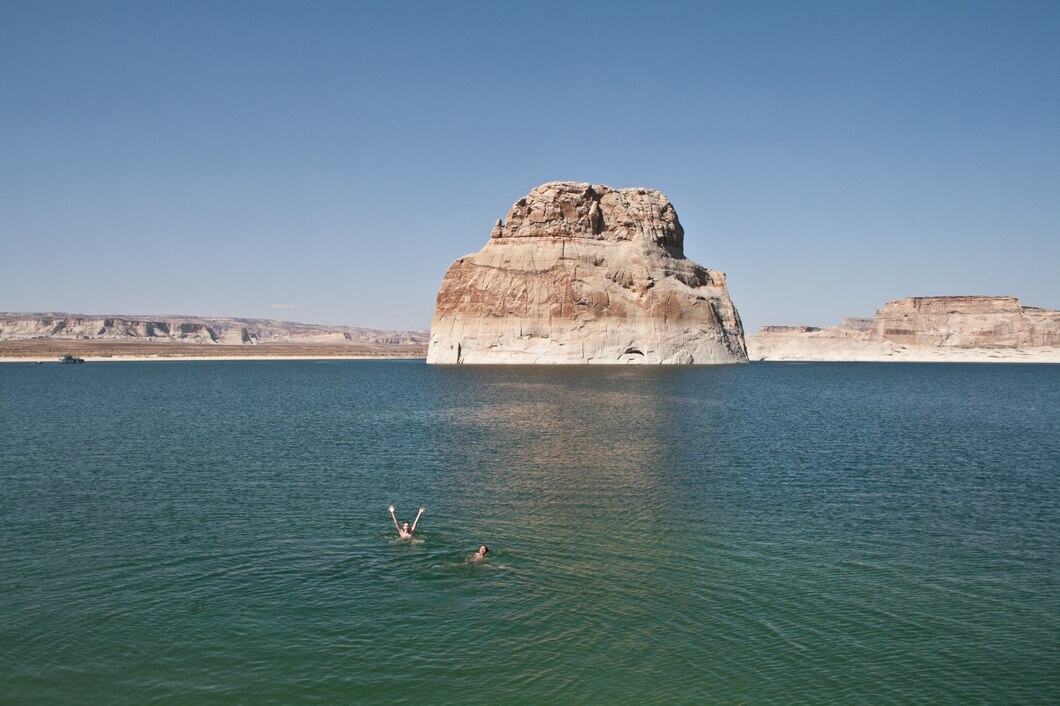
{"type": "Point", "coordinates": [583, 273]}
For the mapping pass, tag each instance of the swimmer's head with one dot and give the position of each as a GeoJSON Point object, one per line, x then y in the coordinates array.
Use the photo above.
{"type": "Point", "coordinates": [483, 550]}
{"type": "Point", "coordinates": [405, 526]}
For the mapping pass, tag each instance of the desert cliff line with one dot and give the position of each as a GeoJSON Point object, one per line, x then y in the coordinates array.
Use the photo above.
{"type": "Point", "coordinates": [954, 328]}
{"type": "Point", "coordinates": [192, 330]}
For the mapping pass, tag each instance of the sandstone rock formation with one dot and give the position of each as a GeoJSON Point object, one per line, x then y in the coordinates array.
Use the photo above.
{"type": "Point", "coordinates": [190, 329]}
{"type": "Point", "coordinates": [966, 322]}
{"type": "Point", "coordinates": [582, 273]}
{"type": "Point", "coordinates": [923, 328]}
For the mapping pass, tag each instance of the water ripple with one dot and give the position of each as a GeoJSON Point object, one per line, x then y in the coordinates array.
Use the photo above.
{"type": "Point", "coordinates": [216, 533]}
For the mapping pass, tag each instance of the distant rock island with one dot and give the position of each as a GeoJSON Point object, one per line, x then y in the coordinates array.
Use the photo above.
{"type": "Point", "coordinates": [583, 273]}
{"type": "Point", "coordinates": [191, 330]}
{"type": "Point", "coordinates": [960, 328]}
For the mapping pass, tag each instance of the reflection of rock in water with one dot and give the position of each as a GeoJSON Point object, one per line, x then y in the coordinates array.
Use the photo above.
{"type": "Point", "coordinates": [572, 450]}
{"type": "Point", "coordinates": [585, 274]}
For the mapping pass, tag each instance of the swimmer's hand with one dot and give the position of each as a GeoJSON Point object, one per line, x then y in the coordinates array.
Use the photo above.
{"type": "Point", "coordinates": [391, 508]}
{"type": "Point", "coordinates": [421, 510]}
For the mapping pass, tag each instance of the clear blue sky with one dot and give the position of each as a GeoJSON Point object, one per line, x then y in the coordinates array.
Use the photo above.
{"type": "Point", "coordinates": [326, 162]}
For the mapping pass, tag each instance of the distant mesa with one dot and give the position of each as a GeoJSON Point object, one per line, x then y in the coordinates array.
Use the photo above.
{"type": "Point", "coordinates": [583, 273]}
{"type": "Point", "coordinates": [966, 322]}
{"type": "Point", "coordinates": [190, 329]}
{"type": "Point", "coordinates": [929, 328]}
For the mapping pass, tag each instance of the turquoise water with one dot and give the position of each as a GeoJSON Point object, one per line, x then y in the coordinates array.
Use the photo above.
{"type": "Point", "coordinates": [216, 532]}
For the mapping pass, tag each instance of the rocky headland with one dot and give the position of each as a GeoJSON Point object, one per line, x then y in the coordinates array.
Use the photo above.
{"type": "Point", "coordinates": [959, 328]}
{"type": "Point", "coordinates": [582, 273]}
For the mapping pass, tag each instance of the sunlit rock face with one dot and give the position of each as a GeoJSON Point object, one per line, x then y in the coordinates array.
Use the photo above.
{"type": "Point", "coordinates": [582, 273]}
{"type": "Point", "coordinates": [965, 322]}
{"type": "Point", "coordinates": [956, 328]}
{"type": "Point", "coordinates": [190, 329]}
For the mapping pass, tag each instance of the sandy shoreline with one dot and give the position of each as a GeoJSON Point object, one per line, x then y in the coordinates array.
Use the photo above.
{"type": "Point", "coordinates": [979, 357]}
{"type": "Point", "coordinates": [178, 358]}
{"type": "Point", "coordinates": [805, 348]}
{"type": "Point", "coordinates": [913, 358]}
{"type": "Point", "coordinates": [96, 351]}
{"type": "Point", "coordinates": [811, 348]}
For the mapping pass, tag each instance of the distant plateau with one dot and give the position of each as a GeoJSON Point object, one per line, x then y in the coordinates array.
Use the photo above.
{"type": "Point", "coordinates": [33, 336]}
{"type": "Point", "coordinates": [925, 329]}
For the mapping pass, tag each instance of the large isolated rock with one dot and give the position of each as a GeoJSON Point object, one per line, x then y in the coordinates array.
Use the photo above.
{"type": "Point", "coordinates": [582, 273]}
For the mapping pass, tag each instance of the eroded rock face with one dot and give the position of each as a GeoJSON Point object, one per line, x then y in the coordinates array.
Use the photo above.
{"type": "Point", "coordinates": [581, 273]}
{"type": "Point", "coordinates": [924, 328]}
{"type": "Point", "coordinates": [966, 322]}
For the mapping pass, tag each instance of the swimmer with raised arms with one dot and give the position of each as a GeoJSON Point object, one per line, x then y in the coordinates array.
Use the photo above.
{"type": "Point", "coordinates": [404, 531]}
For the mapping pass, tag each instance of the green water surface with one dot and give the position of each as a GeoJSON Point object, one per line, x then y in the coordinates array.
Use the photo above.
{"type": "Point", "coordinates": [216, 533]}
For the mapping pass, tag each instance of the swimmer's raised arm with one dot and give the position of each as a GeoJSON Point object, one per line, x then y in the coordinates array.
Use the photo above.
{"type": "Point", "coordinates": [394, 518]}
{"type": "Point", "coordinates": [416, 520]}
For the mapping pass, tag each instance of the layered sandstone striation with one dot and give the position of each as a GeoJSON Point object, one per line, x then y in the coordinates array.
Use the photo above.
{"type": "Point", "coordinates": [582, 273]}
{"type": "Point", "coordinates": [966, 322]}
{"type": "Point", "coordinates": [975, 328]}
{"type": "Point", "coordinates": [191, 330]}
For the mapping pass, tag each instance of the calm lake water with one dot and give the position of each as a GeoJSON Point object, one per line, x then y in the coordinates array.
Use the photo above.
{"type": "Point", "coordinates": [216, 532]}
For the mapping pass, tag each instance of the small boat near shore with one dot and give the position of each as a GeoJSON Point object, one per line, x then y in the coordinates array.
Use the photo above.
{"type": "Point", "coordinates": [70, 360]}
